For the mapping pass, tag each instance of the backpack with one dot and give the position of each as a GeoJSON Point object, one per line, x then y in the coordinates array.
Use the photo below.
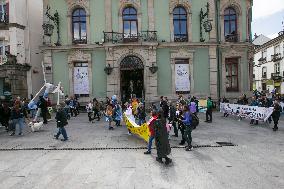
{"type": "Point", "coordinates": [195, 121]}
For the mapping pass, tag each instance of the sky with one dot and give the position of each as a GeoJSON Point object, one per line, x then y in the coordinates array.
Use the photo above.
{"type": "Point", "coordinates": [268, 16]}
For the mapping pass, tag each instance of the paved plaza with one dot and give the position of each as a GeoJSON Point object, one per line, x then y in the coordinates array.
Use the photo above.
{"type": "Point", "coordinates": [95, 157]}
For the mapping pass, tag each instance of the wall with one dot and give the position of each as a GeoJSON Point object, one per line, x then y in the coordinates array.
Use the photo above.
{"type": "Point", "coordinates": [97, 23]}
{"type": "Point", "coordinates": [99, 76]}
{"type": "Point", "coordinates": [164, 72]}
{"type": "Point", "coordinates": [201, 71]}
{"type": "Point", "coordinates": [162, 20]}
{"type": "Point", "coordinates": [60, 70]}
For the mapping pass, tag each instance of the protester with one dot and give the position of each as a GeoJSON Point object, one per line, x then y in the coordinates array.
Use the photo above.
{"type": "Point", "coordinates": [153, 118]}
{"type": "Point", "coordinates": [141, 113]}
{"type": "Point", "coordinates": [254, 102]}
{"type": "Point", "coordinates": [117, 114]}
{"type": "Point", "coordinates": [43, 108]}
{"type": "Point", "coordinates": [192, 107]}
{"type": "Point", "coordinates": [172, 118]}
{"type": "Point", "coordinates": [209, 110]}
{"type": "Point", "coordinates": [181, 125]}
{"type": "Point", "coordinates": [161, 138]}
{"type": "Point", "coordinates": [97, 109]}
{"type": "Point", "coordinates": [89, 109]}
{"type": "Point", "coordinates": [18, 115]}
{"type": "Point", "coordinates": [61, 121]}
{"type": "Point", "coordinates": [109, 114]}
{"type": "Point", "coordinates": [224, 100]}
{"type": "Point", "coordinates": [5, 114]}
{"type": "Point", "coordinates": [276, 115]}
{"type": "Point", "coordinates": [187, 120]}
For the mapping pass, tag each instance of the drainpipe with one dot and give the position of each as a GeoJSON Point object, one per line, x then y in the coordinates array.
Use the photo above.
{"type": "Point", "coordinates": [218, 29]}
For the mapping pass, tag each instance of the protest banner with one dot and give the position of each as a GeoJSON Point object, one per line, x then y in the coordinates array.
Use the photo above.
{"type": "Point", "coordinates": [244, 111]}
{"type": "Point", "coordinates": [142, 131]}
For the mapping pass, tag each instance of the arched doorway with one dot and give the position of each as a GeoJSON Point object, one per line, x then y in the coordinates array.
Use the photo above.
{"type": "Point", "coordinates": [132, 78]}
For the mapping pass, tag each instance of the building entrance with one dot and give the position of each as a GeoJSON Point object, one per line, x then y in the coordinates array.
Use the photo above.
{"type": "Point", "coordinates": [131, 78]}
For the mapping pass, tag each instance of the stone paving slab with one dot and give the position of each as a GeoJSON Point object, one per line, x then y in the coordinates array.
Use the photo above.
{"type": "Point", "coordinates": [256, 162]}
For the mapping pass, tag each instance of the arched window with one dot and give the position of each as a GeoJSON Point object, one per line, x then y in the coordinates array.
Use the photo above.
{"type": "Point", "coordinates": [79, 26]}
{"type": "Point", "coordinates": [230, 25]}
{"type": "Point", "coordinates": [180, 24]}
{"type": "Point", "coordinates": [130, 24]}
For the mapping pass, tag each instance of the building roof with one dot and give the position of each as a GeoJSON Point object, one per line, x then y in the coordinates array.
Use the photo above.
{"type": "Point", "coordinates": [270, 42]}
{"type": "Point", "coordinates": [260, 40]}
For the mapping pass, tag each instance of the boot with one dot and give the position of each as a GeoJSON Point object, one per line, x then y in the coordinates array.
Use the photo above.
{"type": "Point", "coordinates": [168, 161]}
{"type": "Point", "coordinates": [159, 160]}
{"type": "Point", "coordinates": [275, 128]}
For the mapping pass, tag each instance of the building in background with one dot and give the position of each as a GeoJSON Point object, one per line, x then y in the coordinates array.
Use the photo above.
{"type": "Point", "coordinates": [20, 38]}
{"type": "Point", "coordinates": [269, 64]}
{"type": "Point", "coordinates": [149, 48]}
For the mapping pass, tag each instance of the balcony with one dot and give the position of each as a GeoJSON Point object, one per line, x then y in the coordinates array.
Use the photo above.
{"type": "Point", "coordinates": [232, 38]}
{"type": "Point", "coordinates": [276, 76]}
{"type": "Point", "coordinates": [276, 57]}
{"type": "Point", "coordinates": [143, 36]}
{"type": "Point", "coordinates": [262, 60]}
{"type": "Point", "coordinates": [79, 41]}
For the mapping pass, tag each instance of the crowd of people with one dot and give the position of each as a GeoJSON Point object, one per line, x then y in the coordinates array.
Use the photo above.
{"type": "Point", "coordinates": [266, 100]}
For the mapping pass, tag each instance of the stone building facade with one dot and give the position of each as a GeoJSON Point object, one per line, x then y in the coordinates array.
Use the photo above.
{"type": "Point", "coordinates": [20, 37]}
{"type": "Point", "coordinates": [150, 47]}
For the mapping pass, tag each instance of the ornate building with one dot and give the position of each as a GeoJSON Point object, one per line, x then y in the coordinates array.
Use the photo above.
{"type": "Point", "coordinates": [149, 48]}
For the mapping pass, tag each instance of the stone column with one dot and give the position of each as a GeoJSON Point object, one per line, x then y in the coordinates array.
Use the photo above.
{"type": "Point", "coordinates": [213, 73]}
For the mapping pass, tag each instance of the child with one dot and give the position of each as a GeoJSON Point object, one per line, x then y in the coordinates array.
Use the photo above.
{"type": "Point", "coordinates": [89, 109]}
{"type": "Point", "coordinates": [109, 113]}
{"type": "Point", "coordinates": [61, 120]}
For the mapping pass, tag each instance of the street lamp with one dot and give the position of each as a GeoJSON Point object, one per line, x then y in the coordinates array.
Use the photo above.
{"type": "Point", "coordinates": [108, 69]}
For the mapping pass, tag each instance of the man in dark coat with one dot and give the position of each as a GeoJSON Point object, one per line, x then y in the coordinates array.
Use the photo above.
{"type": "Point", "coordinates": [61, 120]}
{"type": "Point", "coordinates": [162, 140]}
{"type": "Point", "coordinates": [42, 104]}
{"type": "Point", "coordinates": [276, 115]}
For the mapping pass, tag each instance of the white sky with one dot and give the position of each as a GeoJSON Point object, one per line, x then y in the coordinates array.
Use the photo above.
{"type": "Point", "coordinates": [268, 16]}
{"type": "Point", "coordinates": [264, 8]}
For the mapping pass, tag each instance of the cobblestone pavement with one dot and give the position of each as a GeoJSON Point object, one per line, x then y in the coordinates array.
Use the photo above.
{"type": "Point", "coordinates": [95, 157]}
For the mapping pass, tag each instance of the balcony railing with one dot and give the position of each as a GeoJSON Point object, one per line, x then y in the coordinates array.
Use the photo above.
{"type": "Point", "coordinates": [79, 41]}
{"type": "Point", "coordinates": [276, 57]}
{"type": "Point", "coordinates": [262, 59]}
{"type": "Point", "coordinates": [115, 37]}
{"type": "Point", "coordinates": [181, 38]}
{"type": "Point", "coordinates": [232, 38]}
{"type": "Point", "coordinates": [276, 76]}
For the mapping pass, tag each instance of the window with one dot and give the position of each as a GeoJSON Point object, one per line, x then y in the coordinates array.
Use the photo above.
{"type": "Point", "coordinates": [4, 10]}
{"type": "Point", "coordinates": [264, 53]}
{"type": "Point", "coordinates": [277, 68]}
{"type": "Point", "coordinates": [230, 25]}
{"type": "Point", "coordinates": [130, 24]}
{"type": "Point", "coordinates": [232, 83]}
{"type": "Point", "coordinates": [277, 49]}
{"type": "Point", "coordinates": [79, 26]}
{"type": "Point", "coordinates": [180, 24]}
{"type": "Point", "coordinates": [264, 72]}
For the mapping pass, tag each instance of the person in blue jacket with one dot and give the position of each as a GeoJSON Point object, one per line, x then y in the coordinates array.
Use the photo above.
{"type": "Point", "coordinates": [187, 120]}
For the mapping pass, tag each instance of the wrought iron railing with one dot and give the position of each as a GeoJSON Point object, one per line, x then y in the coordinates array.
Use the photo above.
{"type": "Point", "coordinates": [232, 38]}
{"type": "Point", "coordinates": [276, 57]}
{"type": "Point", "coordinates": [181, 38]}
{"type": "Point", "coordinates": [276, 76]}
{"type": "Point", "coordinates": [79, 41]}
{"type": "Point", "coordinates": [116, 37]}
{"type": "Point", "coordinates": [262, 59]}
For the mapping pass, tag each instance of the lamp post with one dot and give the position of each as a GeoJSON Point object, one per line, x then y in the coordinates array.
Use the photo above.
{"type": "Point", "coordinates": [55, 19]}
{"type": "Point", "coordinates": [108, 69]}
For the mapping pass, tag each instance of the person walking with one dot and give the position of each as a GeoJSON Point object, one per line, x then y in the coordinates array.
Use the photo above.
{"type": "Point", "coordinates": [161, 138]}
{"type": "Point", "coordinates": [61, 121]}
{"type": "Point", "coordinates": [154, 116]}
{"type": "Point", "coordinates": [172, 118]}
{"type": "Point", "coordinates": [43, 107]}
{"type": "Point", "coordinates": [141, 113]}
{"type": "Point", "coordinates": [117, 114]}
{"type": "Point", "coordinates": [187, 120]}
{"type": "Point", "coordinates": [97, 109]}
{"type": "Point", "coordinates": [89, 109]}
{"type": "Point", "coordinates": [109, 114]}
{"type": "Point", "coordinates": [209, 110]}
{"type": "Point", "coordinates": [276, 115]}
{"type": "Point", "coordinates": [5, 114]}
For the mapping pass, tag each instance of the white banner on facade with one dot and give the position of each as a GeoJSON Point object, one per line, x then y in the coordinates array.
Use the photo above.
{"type": "Point", "coordinates": [81, 80]}
{"type": "Point", "coordinates": [182, 77]}
{"type": "Point", "coordinates": [249, 112]}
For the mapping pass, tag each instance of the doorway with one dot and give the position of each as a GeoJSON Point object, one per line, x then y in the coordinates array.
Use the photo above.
{"type": "Point", "coordinates": [131, 78]}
